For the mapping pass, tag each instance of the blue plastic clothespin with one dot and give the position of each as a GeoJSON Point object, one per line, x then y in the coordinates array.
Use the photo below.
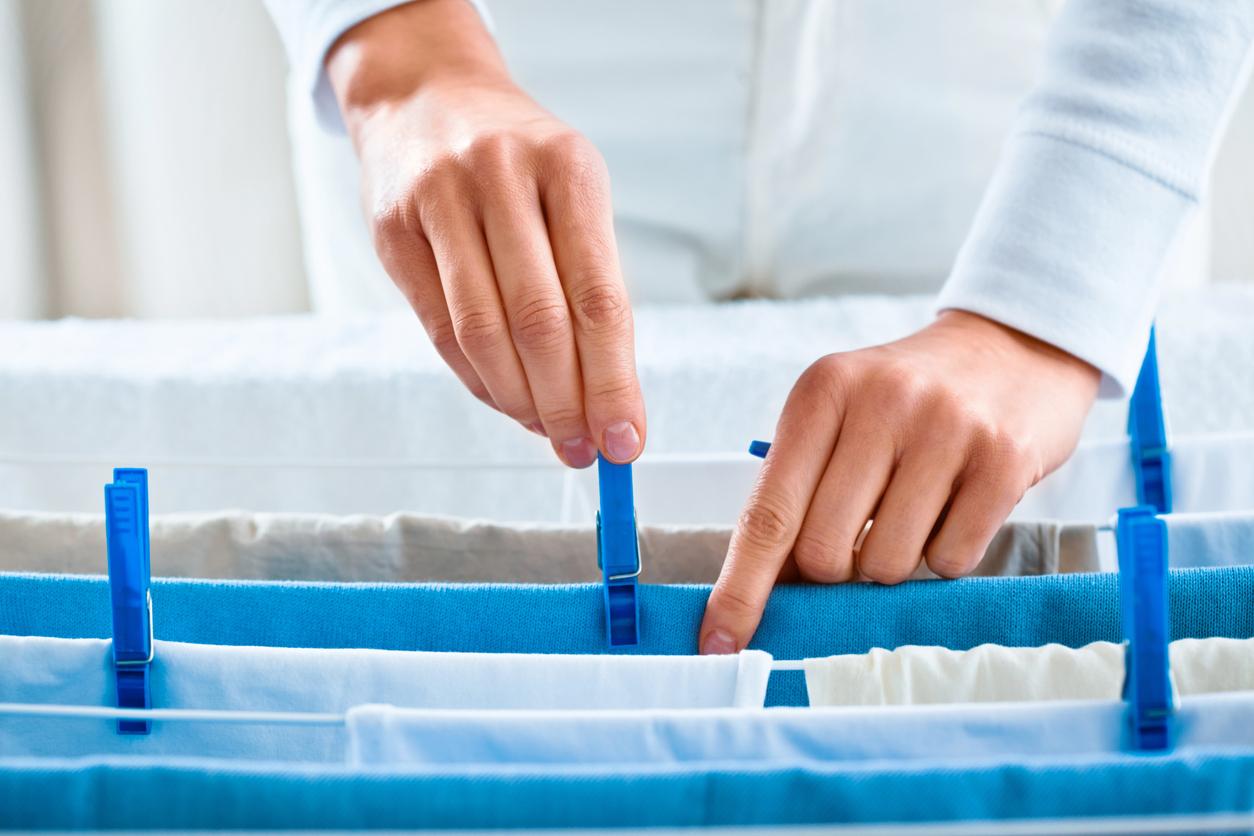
{"type": "Point", "coordinates": [130, 573]}
{"type": "Point", "coordinates": [759, 448]}
{"type": "Point", "coordinates": [1141, 538]}
{"type": "Point", "coordinates": [1151, 458]}
{"type": "Point", "coordinates": [618, 553]}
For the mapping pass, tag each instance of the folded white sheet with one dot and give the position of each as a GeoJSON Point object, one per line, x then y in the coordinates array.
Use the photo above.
{"type": "Point", "coordinates": [308, 414]}
{"type": "Point", "coordinates": [992, 673]}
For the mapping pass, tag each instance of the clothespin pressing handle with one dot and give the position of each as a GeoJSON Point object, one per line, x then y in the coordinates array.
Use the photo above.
{"type": "Point", "coordinates": [130, 572]}
{"type": "Point", "coordinates": [1141, 538]}
{"type": "Point", "coordinates": [618, 553]}
{"type": "Point", "coordinates": [1147, 430]}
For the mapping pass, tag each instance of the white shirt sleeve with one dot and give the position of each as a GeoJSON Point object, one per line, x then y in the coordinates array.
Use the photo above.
{"type": "Point", "coordinates": [308, 29]}
{"type": "Point", "coordinates": [1105, 162]}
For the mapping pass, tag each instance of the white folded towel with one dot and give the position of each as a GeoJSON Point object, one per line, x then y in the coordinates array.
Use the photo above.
{"type": "Point", "coordinates": [913, 675]}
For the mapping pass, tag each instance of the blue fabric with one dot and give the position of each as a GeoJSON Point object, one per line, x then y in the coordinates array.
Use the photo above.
{"type": "Point", "coordinates": [800, 621]}
{"type": "Point", "coordinates": [191, 794]}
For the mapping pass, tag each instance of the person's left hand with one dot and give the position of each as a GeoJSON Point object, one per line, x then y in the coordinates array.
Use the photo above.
{"type": "Point", "coordinates": [935, 437]}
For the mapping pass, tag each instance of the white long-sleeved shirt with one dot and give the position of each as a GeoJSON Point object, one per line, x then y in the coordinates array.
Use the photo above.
{"type": "Point", "coordinates": [803, 146]}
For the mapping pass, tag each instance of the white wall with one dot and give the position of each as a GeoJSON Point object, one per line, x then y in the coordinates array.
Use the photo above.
{"type": "Point", "coordinates": [195, 126]}
{"type": "Point", "coordinates": [21, 250]}
{"type": "Point", "coordinates": [162, 158]}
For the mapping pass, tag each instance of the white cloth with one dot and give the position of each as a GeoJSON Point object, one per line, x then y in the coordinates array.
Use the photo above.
{"type": "Point", "coordinates": [384, 426]}
{"type": "Point", "coordinates": [404, 547]}
{"type": "Point", "coordinates": [963, 733]}
{"type": "Point", "coordinates": [913, 675]}
{"type": "Point", "coordinates": [79, 672]}
{"type": "Point", "coordinates": [791, 148]}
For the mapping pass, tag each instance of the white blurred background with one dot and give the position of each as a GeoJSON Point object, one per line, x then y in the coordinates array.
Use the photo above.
{"type": "Point", "coordinates": [146, 161]}
{"type": "Point", "coordinates": [147, 172]}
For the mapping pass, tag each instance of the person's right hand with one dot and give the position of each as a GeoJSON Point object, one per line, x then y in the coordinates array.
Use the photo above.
{"type": "Point", "coordinates": [494, 219]}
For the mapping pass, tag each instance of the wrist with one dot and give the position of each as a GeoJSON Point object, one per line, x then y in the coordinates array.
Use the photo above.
{"type": "Point", "coordinates": [998, 336]}
{"type": "Point", "coordinates": [397, 54]}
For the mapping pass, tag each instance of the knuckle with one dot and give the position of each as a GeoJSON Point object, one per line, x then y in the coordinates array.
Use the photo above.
{"type": "Point", "coordinates": [901, 383]}
{"type": "Point", "coordinates": [572, 154]}
{"type": "Point", "coordinates": [887, 573]}
{"type": "Point", "coordinates": [1018, 453]}
{"type": "Point", "coordinates": [478, 330]}
{"type": "Point", "coordinates": [441, 192]}
{"type": "Point", "coordinates": [823, 384]}
{"type": "Point", "coordinates": [390, 225]}
{"type": "Point", "coordinates": [436, 180]}
{"type": "Point", "coordinates": [820, 560]}
{"type": "Point", "coordinates": [1010, 460]}
{"type": "Point", "coordinates": [826, 374]}
{"type": "Point", "coordinates": [481, 392]}
{"type": "Point", "coordinates": [443, 337]}
{"type": "Point", "coordinates": [951, 564]}
{"type": "Point", "coordinates": [601, 306]}
{"type": "Point", "coordinates": [541, 324]}
{"type": "Point", "coordinates": [521, 411]}
{"type": "Point", "coordinates": [947, 411]}
{"type": "Point", "coordinates": [614, 389]}
{"type": "Point", "coordinates": [563, 417]}
{"type": "Point", "coordinates": [736, 601]}
{"type": "Point", "coordinates": [763, 524]}
{"type": "Point", "coordinates": [493, 150]}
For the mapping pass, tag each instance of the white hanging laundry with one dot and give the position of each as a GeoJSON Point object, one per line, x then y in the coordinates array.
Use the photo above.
{"type": "Point", "coordinates": [993, 733]}
{"type": "Point", "coordinates": [914, 675]}
{"type": "Point", "coordinates": [80, 672]}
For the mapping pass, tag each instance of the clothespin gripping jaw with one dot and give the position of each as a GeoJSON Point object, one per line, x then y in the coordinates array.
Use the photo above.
{"type": "Point", "coordinates": [618, 553]}
{"type": "Point", "coordinates": [1141, 538]}
{"type": "Point", "coordinates": [129, 562]}
{"type": "Point", "coordinates": [1147, 430]}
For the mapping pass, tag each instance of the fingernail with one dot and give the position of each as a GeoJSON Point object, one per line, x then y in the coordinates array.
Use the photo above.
{"type": "Point", "coordinates": [579, 452]}
{"type": "Point", "coordinates": [537, 428]}
{"type": "Point", "coordinates": [622, 441]}
{"type": "Point", "coordinates": [718, 643]}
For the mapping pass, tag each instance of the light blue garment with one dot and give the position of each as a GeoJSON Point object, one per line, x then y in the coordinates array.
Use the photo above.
{"type": "Point", "coordinates": [215, 677]}
{"type": "Point", "coordinates": [990, 733]}
{"type": "Point", "coordinates": [1225, 539]}
{"type": "Point", "coordinates": [132, 793]}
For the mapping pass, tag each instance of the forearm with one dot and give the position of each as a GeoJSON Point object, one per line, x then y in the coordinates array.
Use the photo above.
{"type": "Point", "coordinates": [1104, 166]}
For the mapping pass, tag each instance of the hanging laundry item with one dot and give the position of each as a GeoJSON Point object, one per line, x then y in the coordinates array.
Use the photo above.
{"type": "Point", "coordinates": [936, 737]}
{"type": "Point", "coordinates": [78, 672]}
{"type": "Point", "coordinates": [1211, 539]}
{"type": "Point", "coordinates": [412, 547]}
{"type": "Point", "coordinates": [913, 675]}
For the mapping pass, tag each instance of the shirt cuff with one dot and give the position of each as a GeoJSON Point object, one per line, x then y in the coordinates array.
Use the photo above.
{"type": "Point", "coordinates": [320, 26]}
{"type": "Point", "coordinates": [1068, 247]}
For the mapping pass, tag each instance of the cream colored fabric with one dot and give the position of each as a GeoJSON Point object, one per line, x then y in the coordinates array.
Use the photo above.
{"type": "Point", "coordinates": [991, 673]}
{"type": "Point", "coordinates": [404, 547]}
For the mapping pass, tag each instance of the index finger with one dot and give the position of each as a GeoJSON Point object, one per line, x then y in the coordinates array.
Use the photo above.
{"type": "Point", "coordinates": [581, 230]}
{"type": "Point", "coordinates": [768, 527]}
